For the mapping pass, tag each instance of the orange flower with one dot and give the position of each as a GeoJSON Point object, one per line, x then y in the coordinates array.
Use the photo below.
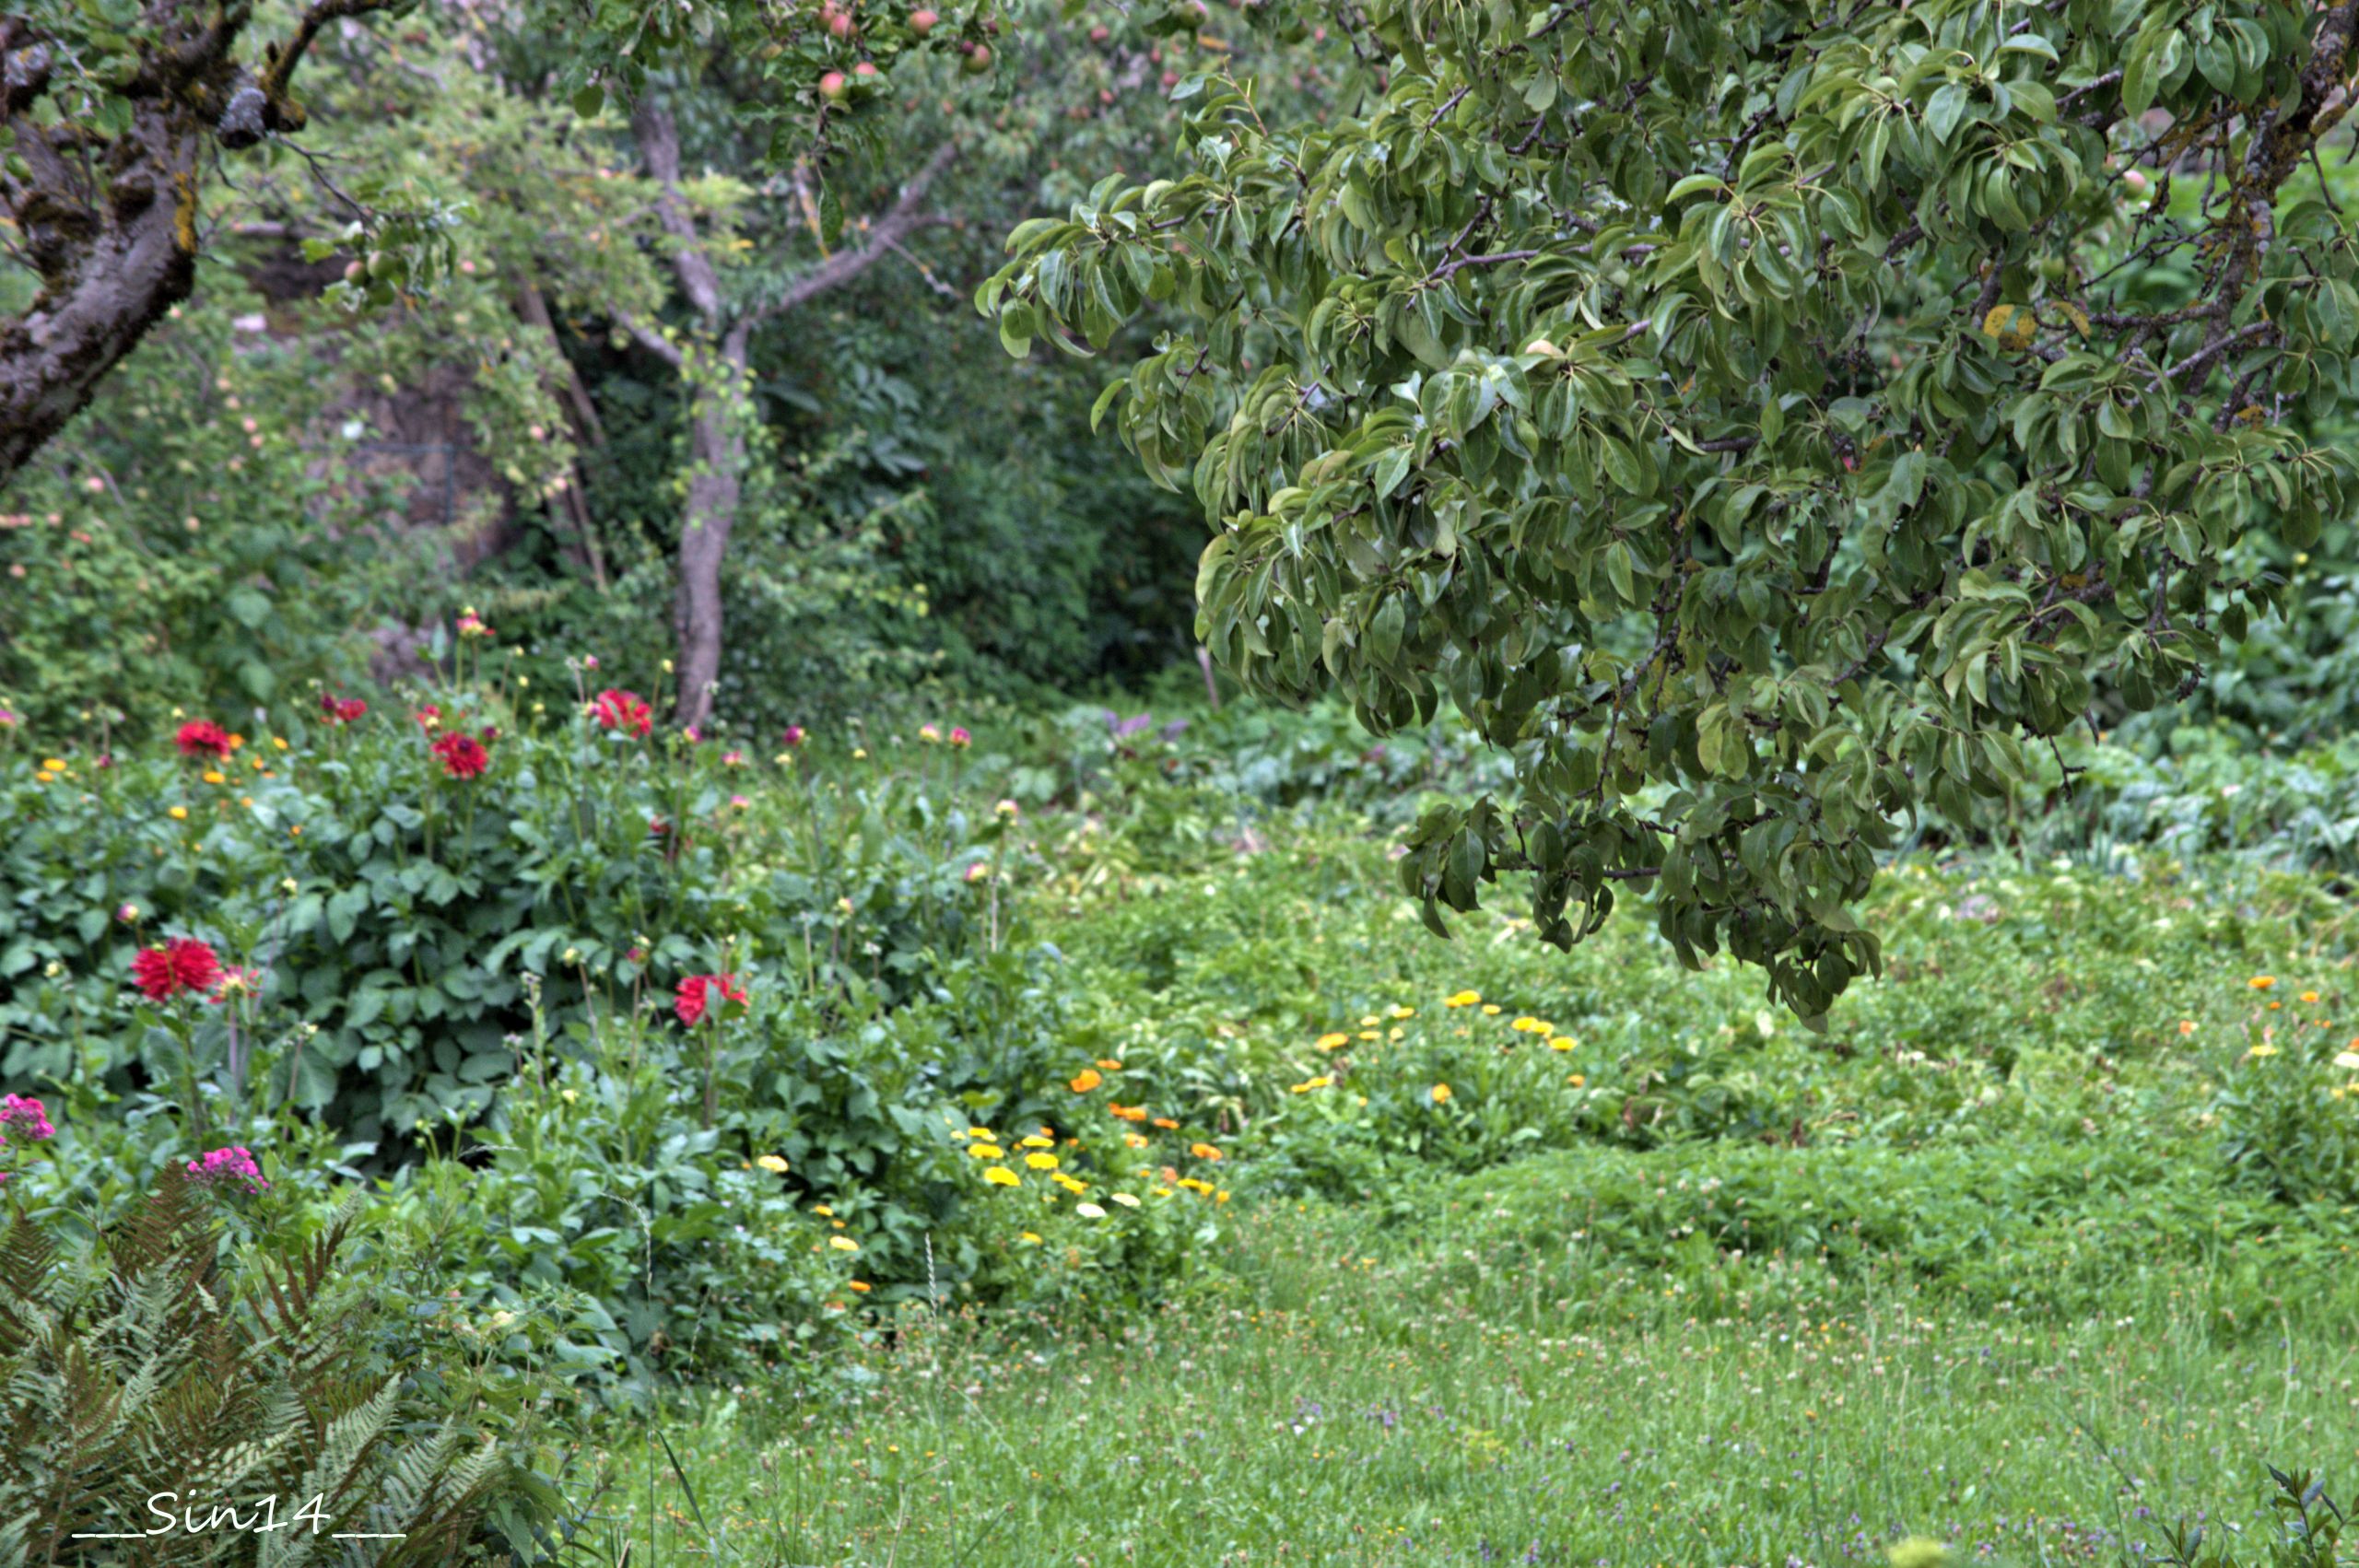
{"type": "Point", "coordinates": [1109, 1064]}
{"type": "Point", "coordinates": [862, 1286]}
{"type": "Point", "coordinates": [1084, 1081]}
{"type": "Point", "coordinates": [1127, 1113]}
{"type": "Point", "coordinates": [1165, 1123]}
{"type": "Point", "coordinates": [1204, 1151]}
{"type": "Point", "coordinates": [1136, 1139]}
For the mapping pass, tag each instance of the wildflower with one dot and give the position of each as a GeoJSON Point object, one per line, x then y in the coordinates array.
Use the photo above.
{"type": "Point", "coordinates": [235, 982]}
{"type": "Point", "coordinates": [1028, 1237]}
{"type": "Point", "coordinates": [25, 1117]}
{"type": "Point", "coordinates": [1204, 1151]}
{"type": "Point", "coordinates": [958, 736]}
{"type": "Point", "coordinates": [184, 963]}
{"type": "Point", "coordinates": [1332, 1042]}
{"type": "Point", "coordinates": [1441, 1094]}
{"type": "Point", "coordinates": [1040, 1160]}
{"type": "Point", "coordinates": [1575, 1079]}
{"type": "Point", "coordinates": [2261, 982]}
{"type": "Point", "coordinates": [625, 711]}
{"type": "Point", "coordinates": [1528, 1025]}
{"type": "Point", "coordinates": [1000, 1175]}
{"type": "Point", "coordinates": [774, 1163]}
{"type": "Point", "coordinates": [1462, 999]}
{"type": "Point", "coordinates": [428, 717]}
{"type": "Point", "coordinates": [202, 737]}
{"type": "Point", "coordinates": [985, 1133]}
{"type": "Point", "coordinates": [1039, 1140]}
{"type": "Point", "coordinates": [127, 913]}
{"type": "Point", "coordinates": [986, 1151]}
{"type": "Point", "coordinates": [1490, 1010]}
{"type": "Point", "coordinates": [843, 1244]}
{"type": "Point", "coordinates": [1400, 1012]}
{"type": "Point", "coordinates": [1136, 1139]}
{"type": "Point", "coordinates": [1088, 1078]}
{"type": "Point", "coordinates": [1107, 1064]}
{"type": "Point", "coordinates": [1089, 1210]}
{"type": "Point", "coordinates": [929, 734]}
{"type": "Point", "coordinates": [1165, 1123]}
{"type": "Point", "coordinates": [2187, 1025]}
{"type": "Point", "coordinates": [228, 1164]}
{"type": "Point", "coordinates": [1191, 1183]}
{"type": "Point", "coordinates": [823, 1210]}
{"type": "Point", "coordinates": [860, 753]}
{"type": "Point", "coordinates": [1308, 1084]}
{"type": "Point", "coordinates": [2262, 1051]}
{"type": "Point", "coordinates": [1071, 1184]}
{"type": "Point", "coordinates": [471, 624]}
{"type": "Point", "coordinates": [178, 814]}
{"type": "Point", "coordinates": [462, 755]}
{"type": "Point", "coordinates": [1007, 810]}
{"type": "Point", "coordinates": [1563, 1042]}
{"type": "Point", "coordinates": [341, 709]}
{"type": "Point", "coordinates": [693, 995]}
{"type": "Point", "coordinates": [792, 736]}
{"type": "Point", "coordinates": [862, 1286]}
{"type": "Point", "coordinates": [2309, 996]}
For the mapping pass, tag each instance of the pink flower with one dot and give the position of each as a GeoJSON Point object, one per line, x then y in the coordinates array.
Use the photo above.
{"type": "Point", "coordinates": [26, 1118]}
{"type": "Point", "coordinates": [693, 734]}
{"type": "Point", "coordinates": [958, 736]}
{"type": "Point", "coordinates": [624, 710]}
{"type": "Point", "coordinates": [202, 737]}
{"type": "Point", "coordinates": [462, 756]}
{"type": "Point", "coordinates": [695, 996]}
{"type": "Point", "coordinates": [792, 736]}
{"type": "Point", "coordinates": [228, 1164]}
{"type": "Point", "coordinates": [733, 759]}
{"type": "Point", "coordinates": [9, 718]}
{"type": "Point", "coordinates": [127, 913]}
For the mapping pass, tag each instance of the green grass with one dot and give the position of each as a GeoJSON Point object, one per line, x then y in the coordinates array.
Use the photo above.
{"type": "Point", "coordinates": [1347, 1398]}
{"type": "Point", "coordinates": [1974, 1264]}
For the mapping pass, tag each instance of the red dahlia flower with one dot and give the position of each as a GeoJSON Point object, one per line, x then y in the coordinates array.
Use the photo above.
{"type": "Point", "coordinates": [695, 996]}
{"type": "Point", "coordinates": [623, 710]}
{"type": "Point", "coordinates": [202, 737]}
{"type": "Point", "coordinates": [341, 709]}
{"type": "Point", "coordinates": [462, 755]}
{"type": "Point", "coordinates": [180, 964]}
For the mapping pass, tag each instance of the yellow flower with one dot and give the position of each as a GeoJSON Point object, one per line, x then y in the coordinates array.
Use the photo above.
{"type": "Point", "coordinates": [2262, 1051]}
{"type": "Point", "coordinates": [1370, 1034]}
{"type": "Point", "coordinates": [1308, 1084]}
{"type": "Point", "coordinates": [178, 814]}
{"type": "Point", "coordinates": [1204, 1151]}
{"type": "Point", "coordinates": [43, 776]}
{"type": "Point", "coordinates": [1441, 1094]}
{"type": "Point", "coordinates": [55, 764]}
{"type": "Point", "coordinates": [2261, 982]}
{"type": "Point", "coordinates": [1192, 1184]}
{"type": "Point", "coordinates": [1039, 1140]}
{"type": "Point", "coordinates": [1399, 1012]}
{"type": "Point", "coordinates": [1125, 1199]}
{"type": "Point", "coordinates": [1575, 1079]}
{"type": "Point", "coordinates": [2309, 996]}
{"type": "Point", "coordinates": [823, 1210]}
{"type": "Point", "coordinates": [1088, 1078]}
{"type": "Point", "coordinates": [1462, 999]}
{"type": "Point", "coordinates": [1069, 1182]}
{"type": "Point", "coordinates": [2348, 1061]}
{"type": "Point", "coordinates": [986, 1151]}
{"type": "Point", "coordinates": [985, 1133]}
{"type": "Point", "coordinates": [1563, 1042]}
{"type": "Point", "coordinates": [280, 742]}
{"type": "Point", "coordinates": [1089, 1210]}
{"type": "Point", "coordinates": [1490, 1010]}
{"type": "Point", "coordinates": [1334, 1041]}
{"type": "Point", "coordinates": [1370, 1021]}
{"type": "Point", "coordinates": [214, 775]}
{"type": "Point", "coordinates": [843, 1244]}
{"type": "Point", "coordinates": [1030, 1236]}
{"type": "Point", "coordinates": [1040, 1160]}
{"type": "Point", "coordinates": [861, 1285]}
{"type": "Point", "coordinates": [1000, 1175]}
{"type": "Point", "coordinates": [774, 1163]}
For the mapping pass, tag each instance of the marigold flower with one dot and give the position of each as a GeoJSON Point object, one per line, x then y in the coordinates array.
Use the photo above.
{"type": "Point", "coordinates": [1136, 1139]}
{"type": "Point", "coordinates": [1308, 1084]}
{"type": "Point", "coordinates": [1000, 1175]}
{"type": "Point", "coordinates": [1088, 1078]}
{"type": "Point", "coordinates": [1040, 1160]}
{"type": "Point", "coordinates": [1334, 1041]}
{"type": "Point", "coordinates": [462, 755]}
{"type": "Point", "coordinates": [1107, 1064]}
{"type": "Point", "coordinates": [1204, 1151]}
{"type": "Point", "coordinates": [2261, 982]}
{"type": "Point", "coordinates": [184, 963]}
{"type": "Point", "coordinates": [774, 1163]}
{"type": "Point", "coordinates": [1165, 1123]}
{"type": "Point", "coordinates": [695, 995]}
{"type": "Point", "coordinates": [614, 708]}
{"type": "Point", "coordinates": [986, 1151]}
{"type": "Point", "coordinates": [202, 737]}
{"type": "Point", "coordinates": [1127, 1113]}
{"type": "Point", "coordinates": [843, 1244]}
{"type": "Point", "coordinates": [1563, 1042]}
{"type": "Point", "coordinates": [2309, 996]}
{"type": "Point", "coordinates": [1441, 1094]}
{"type": "Point", "coordinates": [1462, 999]}
{"type": "Point", "coordinates": [1030, 1236]}
{"type": "Point", "coordinates": [1037, 1140]}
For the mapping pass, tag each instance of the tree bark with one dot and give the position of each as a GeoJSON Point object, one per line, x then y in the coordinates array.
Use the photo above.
{"type": "Point", "coordinates": [718, 413]}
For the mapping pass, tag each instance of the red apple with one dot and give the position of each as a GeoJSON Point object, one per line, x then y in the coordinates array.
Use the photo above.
{"type": "Point", "coordinates": [921, 22]}
{"type": "Point", "coordinates": [978, 61]}
{"type": "Point", "coordinates": [1100, 33]}
{"type": "Point", "coordinates": [1171, 78]}
{"type": "Point", "coordinates": [866, 70]}
{"type": "Point", "coordinates": [831, 86]}
{"type": "Point", "coordinates": [838, 23]}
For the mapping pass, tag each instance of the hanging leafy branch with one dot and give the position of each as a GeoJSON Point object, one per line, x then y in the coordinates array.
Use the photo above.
{"type": "Point", "coordinates": [1757, 418]}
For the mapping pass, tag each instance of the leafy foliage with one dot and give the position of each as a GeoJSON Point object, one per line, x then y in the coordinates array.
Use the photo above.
{"type": "Point", "coordinates": [1741, 401]}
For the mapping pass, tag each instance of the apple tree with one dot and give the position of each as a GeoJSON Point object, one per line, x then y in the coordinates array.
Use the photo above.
{"type": "Point", "coordinates": [1758, 418]}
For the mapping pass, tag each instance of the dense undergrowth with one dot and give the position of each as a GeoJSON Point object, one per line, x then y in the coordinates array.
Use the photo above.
{"type": "Point", "coordinates": [874, 1091]}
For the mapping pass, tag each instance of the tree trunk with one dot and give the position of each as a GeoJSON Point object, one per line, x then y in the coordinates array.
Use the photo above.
{"type": "Point", "coordinates": [716, 484]}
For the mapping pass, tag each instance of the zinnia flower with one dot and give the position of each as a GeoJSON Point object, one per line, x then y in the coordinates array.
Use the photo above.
{"type": "Point", "coordinates": [180, 964]}
{"type": "Point", "coordinates": [202, 737]}
{"type": "Point", "coordinates": [462, 755]}
{"type": "Point", "coordinates": [1084, 1081]}
{"type": "Point", "coordinates": [624, 710]}
{"type": "Point", "coordinates": [695, 996]}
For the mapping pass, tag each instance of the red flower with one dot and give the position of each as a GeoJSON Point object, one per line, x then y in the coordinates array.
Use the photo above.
{"type": "Point", "coordinates": [180, 964]}
{"type": "Point", "coordinates": [428, 717]}
{"type": "Point", "coordinates": [462, 755]}
{"type": "Point", "coordinates": [341, 709]}
{"type": "Point", "coordinates": [202, 737]}
{"type": "Point", "coordinates": [623, 710]}
{"type": "Point", "coordinates": [792, 736]}
{"type": "Point", "coordinates": [695, 995]}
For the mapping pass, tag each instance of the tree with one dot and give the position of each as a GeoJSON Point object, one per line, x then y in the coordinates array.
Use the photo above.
{"type": "Point", "coordinates": [1746, 414]}
{"type": "Point", "coordinates": [114, 114]}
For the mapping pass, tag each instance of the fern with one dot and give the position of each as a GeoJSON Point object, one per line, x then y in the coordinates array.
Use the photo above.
{"type": "Point", "coordinates": [139, 1366]}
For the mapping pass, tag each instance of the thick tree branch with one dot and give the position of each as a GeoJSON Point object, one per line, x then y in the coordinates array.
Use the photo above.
{"type": "Point", "coordinates": [883, 236]}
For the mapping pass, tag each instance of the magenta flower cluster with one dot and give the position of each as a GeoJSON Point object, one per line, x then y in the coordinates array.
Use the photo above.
{"type": "Point", "coordinates": [27, 1116]}
{"type": "Point", "coordinates": [228, 1164]}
